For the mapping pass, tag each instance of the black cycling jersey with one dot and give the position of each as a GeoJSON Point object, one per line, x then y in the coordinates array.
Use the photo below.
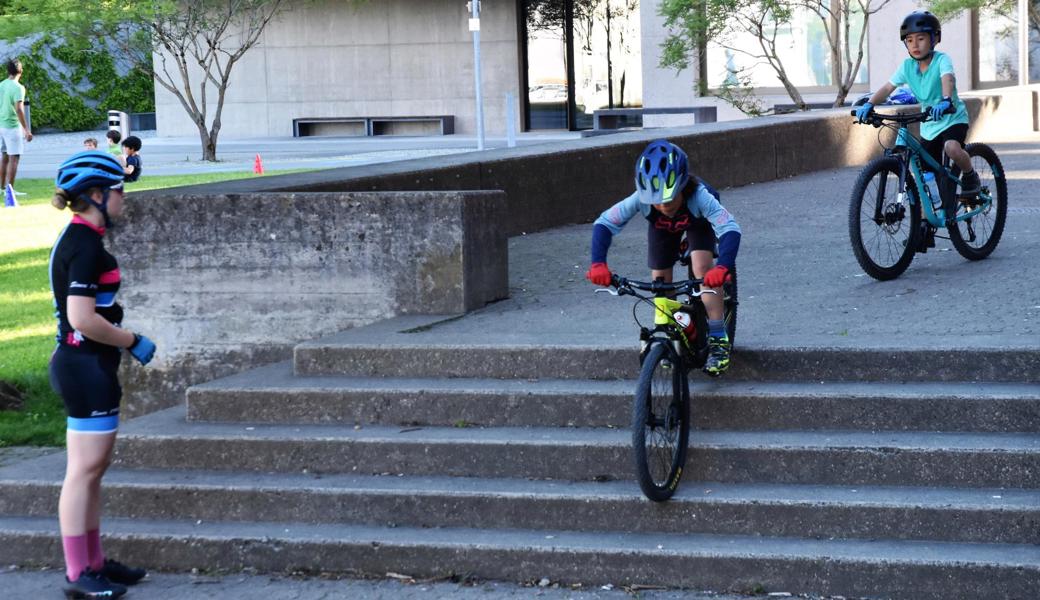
{"type": "Point", "coordinates": [80, 266]}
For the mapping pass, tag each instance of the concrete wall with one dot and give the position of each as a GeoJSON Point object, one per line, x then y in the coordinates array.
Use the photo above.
{"type": "Point", "coordinates": [553, 184]}
{"type": "Point", "coordinates": [221, 282]}
{"type": "Point", "coordinates": [388, 58]}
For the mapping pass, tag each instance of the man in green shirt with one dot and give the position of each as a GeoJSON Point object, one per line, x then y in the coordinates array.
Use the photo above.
{"type": "Point", "coordinates": [14, 130]}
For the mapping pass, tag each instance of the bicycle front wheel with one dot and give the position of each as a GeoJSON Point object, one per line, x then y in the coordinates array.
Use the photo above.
{"type": "Point", "coordinates": [882, 229]}
{"type": "Point", "coordinates": [977, 237]}
{"type": "Point", "coordinates": [660, 423]}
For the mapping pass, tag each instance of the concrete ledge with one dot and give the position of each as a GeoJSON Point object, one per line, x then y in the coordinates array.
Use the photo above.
{"type": "Point", "coordinates": [560, 183]}
{"type": "Point", "coordinates": [221, 282]}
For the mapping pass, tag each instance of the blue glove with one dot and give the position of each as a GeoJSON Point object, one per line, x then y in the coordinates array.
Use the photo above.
{"type": "Point", "coordinates": [940, 109]}
{"type": "Point", "coordinates": [143, 349]}
{"type": "Point", "coordinates": [863, 112]}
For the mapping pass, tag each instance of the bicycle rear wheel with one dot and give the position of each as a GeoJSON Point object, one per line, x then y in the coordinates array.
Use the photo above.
{"type": "Point", "coordinates": [977, 237]}
{"type": "Point", "coordinates": [660, 423]}
{"type": "Point", "coordinates": [883, 231]}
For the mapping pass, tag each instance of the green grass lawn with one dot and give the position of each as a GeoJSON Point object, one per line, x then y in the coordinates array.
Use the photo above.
{"type": "Point", "coordinates": [27, 323]}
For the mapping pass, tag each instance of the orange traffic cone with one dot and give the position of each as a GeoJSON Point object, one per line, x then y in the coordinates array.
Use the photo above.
{"type": "Point", "coordinates": [258, 165]}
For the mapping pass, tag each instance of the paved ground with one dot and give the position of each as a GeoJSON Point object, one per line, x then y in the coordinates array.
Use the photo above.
{"type": "Point", "coordinates": [44, 585]}
{"type": "Point", "coordinates": [175, 156]}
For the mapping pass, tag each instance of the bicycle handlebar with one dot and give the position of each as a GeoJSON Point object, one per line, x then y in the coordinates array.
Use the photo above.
{"type": "Point", "coordinates": [656, 287]}
{"type": "Point", "coordinates": [878, 119]}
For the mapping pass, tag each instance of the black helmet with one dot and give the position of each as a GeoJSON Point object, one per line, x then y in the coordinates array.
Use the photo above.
{"type": "Point", "coordinates": [921, 21]}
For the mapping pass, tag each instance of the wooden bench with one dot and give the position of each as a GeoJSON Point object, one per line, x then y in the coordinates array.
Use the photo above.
{"type": "Point", "coordinates": [610, 118]}
{"type": "Point", "coordinates": [372, 126]}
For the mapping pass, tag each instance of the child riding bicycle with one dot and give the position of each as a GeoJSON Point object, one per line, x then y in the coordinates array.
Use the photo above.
{"type": "Point", "coordinates": [930, 76]}
{"type": "Point", "coordinates": [676, 202]}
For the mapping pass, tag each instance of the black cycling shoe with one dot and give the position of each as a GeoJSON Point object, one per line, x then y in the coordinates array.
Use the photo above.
{"type": "Point", "coordinates": [970, 185]}
{"type": "Point", "coordinates": [117, 572]}
{"type": "Point", "coordinates": [718, 356]}
{"type": "Point", "coordinates": [92, 584]}
{"type": "Point", "coordinates": [927, 238]}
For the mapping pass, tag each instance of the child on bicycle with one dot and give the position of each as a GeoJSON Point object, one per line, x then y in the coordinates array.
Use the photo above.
{"type": "Point", "coordinates": [676, 202]}
{"type": "Point", "coordinates": [930, 76]}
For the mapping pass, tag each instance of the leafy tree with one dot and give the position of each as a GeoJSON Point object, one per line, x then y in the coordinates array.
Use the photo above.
{"type": "Point", "coordinates": [693, 24]}
{"type": "Point", "coordinates": [189, 47]}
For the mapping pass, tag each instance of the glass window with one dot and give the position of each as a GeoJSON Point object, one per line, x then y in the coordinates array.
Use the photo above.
{"type": "Point", "coordinates": [603, 40]}
{"type": "Point", "coordinates": [801, 44]}
{"type": "Point", "coordinates": [998, 43]}
{"type": "Point", "coordinates": [546, 65]}
{"type": "Point", "coordinates": [607, 63]}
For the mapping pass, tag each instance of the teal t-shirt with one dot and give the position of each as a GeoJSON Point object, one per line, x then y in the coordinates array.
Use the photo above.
{"type": "Point", "coordinates": [10, 92]}
{"type": "Point", "coordinates": [927, 87]}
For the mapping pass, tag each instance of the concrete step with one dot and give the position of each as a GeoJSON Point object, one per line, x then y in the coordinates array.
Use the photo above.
{"type": "Point", "coordinates": [523, 357]}
{"type": "Point", "coordinates": [899, 570]}
{"type": "Point", "coordinates": [164, 440]}
{"type": "Point", "coordinates": [273, 394]}
{"type": "Point", "coordinates": [804, 511]}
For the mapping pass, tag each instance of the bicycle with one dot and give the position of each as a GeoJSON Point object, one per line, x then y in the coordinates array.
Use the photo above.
{"type": "Point", "coordinates": [885, 229]}
{"type": "Point", "coordinates": [676, 343]}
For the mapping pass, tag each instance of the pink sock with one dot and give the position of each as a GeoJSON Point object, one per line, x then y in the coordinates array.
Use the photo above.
{"type": "Point", "coordinates": [94, 553]}
{"type": "Point", "coordinates": [75, 555]}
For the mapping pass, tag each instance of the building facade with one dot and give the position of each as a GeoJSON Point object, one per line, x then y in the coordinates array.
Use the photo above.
{"type": "Point", "coordinates": [558, 60]}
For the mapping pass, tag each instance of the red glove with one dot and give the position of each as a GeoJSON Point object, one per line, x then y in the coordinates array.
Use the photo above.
{"type": "Point", "coordinates": [716, 276]}
{"type": "Point", "coordinates": [599, 274]}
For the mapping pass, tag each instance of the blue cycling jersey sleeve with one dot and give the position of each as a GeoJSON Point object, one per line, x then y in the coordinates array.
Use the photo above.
{"type": "Point", "coordinates": [610, 223]}
{"type": "Point", "coordinates": [601, 238]}
{"type": "Point", "coordinates": [705, 203]}
{"type": "Point", "coordinates": [617, 216]}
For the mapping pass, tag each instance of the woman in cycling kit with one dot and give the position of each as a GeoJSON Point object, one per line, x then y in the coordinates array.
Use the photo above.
{"type": "Point", "coordinates": [83, 370]}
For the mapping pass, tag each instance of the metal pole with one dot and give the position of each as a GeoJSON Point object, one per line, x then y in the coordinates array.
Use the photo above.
{"type": "Point", "coordinates": [475, 28]}
{"type": "Point", "coordinates": [1023, 42]}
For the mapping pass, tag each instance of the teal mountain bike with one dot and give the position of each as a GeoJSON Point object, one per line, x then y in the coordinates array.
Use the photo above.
{"type": "Point", "coordinates": [893, 213]}
{"type": "Point", "coordinates": [677, 343]}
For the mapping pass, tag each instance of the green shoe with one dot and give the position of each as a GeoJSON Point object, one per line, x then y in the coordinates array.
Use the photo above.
{"type": "Point", "coordinates": [718, 356]}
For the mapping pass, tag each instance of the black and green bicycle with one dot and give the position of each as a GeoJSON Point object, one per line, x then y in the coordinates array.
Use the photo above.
{"type": "Point", "coordinates": [891, 196]}
{"type": "Point", "coordinates": [677, 343]}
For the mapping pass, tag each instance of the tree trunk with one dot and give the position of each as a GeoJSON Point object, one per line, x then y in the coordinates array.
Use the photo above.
{"type": "Point", "coordinates": [208, 143]}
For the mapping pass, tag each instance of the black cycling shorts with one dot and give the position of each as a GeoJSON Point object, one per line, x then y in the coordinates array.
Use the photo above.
{"type": "Point", "coordinates": [934, 147]}
{"type": "Point", "coordinates": [663, 245]}
{"type": "Point", "coordinates": [88, 382]}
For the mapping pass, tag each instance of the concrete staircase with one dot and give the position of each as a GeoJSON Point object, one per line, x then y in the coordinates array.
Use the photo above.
{"type": "Point", "coordinates": [879, 473]}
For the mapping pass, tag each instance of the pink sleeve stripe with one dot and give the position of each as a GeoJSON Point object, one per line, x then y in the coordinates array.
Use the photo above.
{"type": "Point", "coordinates": [109, 276]}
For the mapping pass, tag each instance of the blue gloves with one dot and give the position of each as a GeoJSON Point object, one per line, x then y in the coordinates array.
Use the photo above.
{"type": "Point", "coordinates": [143, 349]}
{"type": "Point", "coordinates": [940, 109]}
{"type": "Point", "coordinates": [863, 111]}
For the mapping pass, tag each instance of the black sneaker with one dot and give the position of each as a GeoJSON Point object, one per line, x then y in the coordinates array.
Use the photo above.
{"type": "Point", "coordinates": [718, 356]}
{"type": "Point", "coordinates": [970, 185]}
{"type": "Point", "coordinates": [117, 572]}
{"type": "Point", "coordinates": [92, 584]}
{"type": "Point", "coordinates": [927, 238]}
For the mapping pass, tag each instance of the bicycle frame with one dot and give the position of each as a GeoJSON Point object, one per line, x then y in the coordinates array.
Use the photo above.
{"type": "Point", "coordinates": [666, 328]}
{"type": "Point", "coordinates": [910, 153]}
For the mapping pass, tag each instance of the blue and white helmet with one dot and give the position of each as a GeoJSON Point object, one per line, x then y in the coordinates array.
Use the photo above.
{"type": "Point", "coordinates": [661, 171]}
{"type": "Point", "coordinates": [89, 169]}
